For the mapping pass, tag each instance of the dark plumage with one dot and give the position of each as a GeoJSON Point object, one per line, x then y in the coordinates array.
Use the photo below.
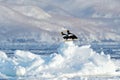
{"type": "Point", "coordinates": [69, 35]}
{"type": "Point", "coordinates": [63, 33]}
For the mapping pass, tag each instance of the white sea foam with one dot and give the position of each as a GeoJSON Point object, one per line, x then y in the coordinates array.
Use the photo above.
{"type": "Point", "coordinates": [70, 61]}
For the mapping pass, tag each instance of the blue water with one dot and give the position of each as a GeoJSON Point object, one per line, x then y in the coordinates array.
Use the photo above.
{"type": "Point", "coordinates": [112, 48]}
{"type": "Point", "coordinates": [37, 48]}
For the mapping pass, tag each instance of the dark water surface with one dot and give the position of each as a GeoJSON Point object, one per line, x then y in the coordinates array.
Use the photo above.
{"type": "Point", "coordinates": [112, 48]}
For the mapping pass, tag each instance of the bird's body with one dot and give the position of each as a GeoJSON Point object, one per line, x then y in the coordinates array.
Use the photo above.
{"type": "Point", "coordinates": [69, 35]}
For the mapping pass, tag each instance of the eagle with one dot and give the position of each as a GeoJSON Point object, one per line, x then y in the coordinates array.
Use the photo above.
{"type": "Point", "coordinates": [69, 35]}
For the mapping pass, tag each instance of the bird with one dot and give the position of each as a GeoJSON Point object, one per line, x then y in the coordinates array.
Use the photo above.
{"type": "Point", "coordinates": [69, 35]}
{"type": "Point", "coordinates": [65, 36]}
